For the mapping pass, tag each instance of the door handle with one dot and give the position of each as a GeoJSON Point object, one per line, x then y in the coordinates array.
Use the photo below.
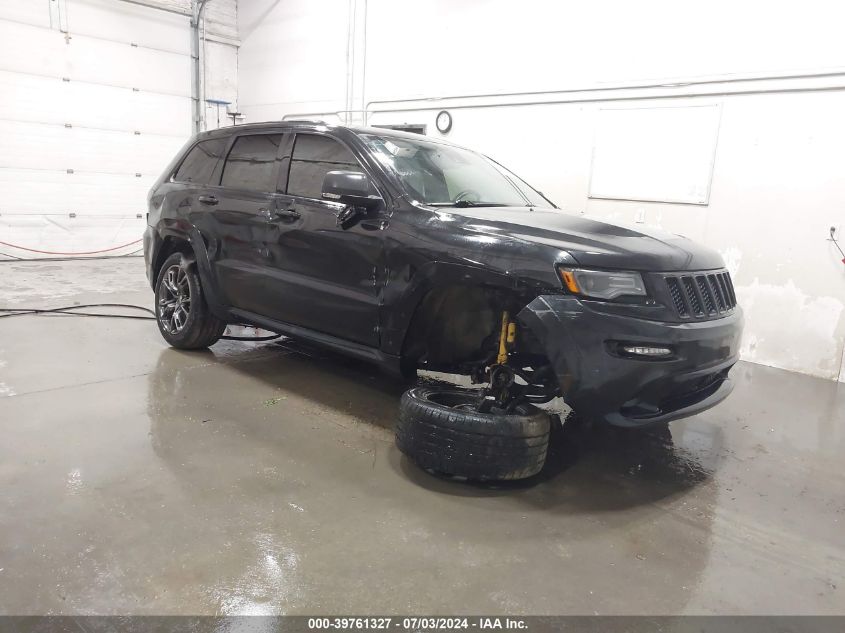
{"type": "Point", "coordinates": [290, 213]}
{"type": "Point", "coordinates": [208, 200]}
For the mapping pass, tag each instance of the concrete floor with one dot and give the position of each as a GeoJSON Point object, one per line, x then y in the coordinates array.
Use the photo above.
{"type": "Point", "coordinates": [256, 478]}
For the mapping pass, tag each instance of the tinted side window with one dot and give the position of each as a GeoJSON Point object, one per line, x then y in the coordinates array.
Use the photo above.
{"type": "Point", "coordinates": [252, 163]}
{"type": "Point", "coordinates": [200, 162]}
{"type": "Point", "coordinates": [313, 157]}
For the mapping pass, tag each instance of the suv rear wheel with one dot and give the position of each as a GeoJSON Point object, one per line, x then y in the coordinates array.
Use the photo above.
{"type": "Point", "coordinates": [182, 314]}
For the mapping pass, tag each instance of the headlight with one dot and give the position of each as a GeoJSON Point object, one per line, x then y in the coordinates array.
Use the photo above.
{"type": "Point", "coordinates": [599, 284]}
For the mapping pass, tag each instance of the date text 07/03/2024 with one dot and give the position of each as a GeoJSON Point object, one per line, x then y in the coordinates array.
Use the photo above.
{"type": "Point", "coordinates": [416, 623]}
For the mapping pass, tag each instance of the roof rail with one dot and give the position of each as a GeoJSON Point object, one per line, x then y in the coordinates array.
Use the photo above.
{"type": "Point", "coordinates": [318, 121]}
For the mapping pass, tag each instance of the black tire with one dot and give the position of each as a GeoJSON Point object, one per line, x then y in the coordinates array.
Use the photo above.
{"type": "Point", "coordinates": [465, 443]}
{"type": "Point", "coordinates": [197, 327]}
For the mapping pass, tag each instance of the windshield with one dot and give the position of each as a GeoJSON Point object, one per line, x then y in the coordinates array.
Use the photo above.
{"type": "Point", "coordinates": [443, 175]}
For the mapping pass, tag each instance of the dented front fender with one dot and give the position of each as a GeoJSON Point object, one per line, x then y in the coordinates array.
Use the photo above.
{"type": "Point", "coordinates": [581, 343]}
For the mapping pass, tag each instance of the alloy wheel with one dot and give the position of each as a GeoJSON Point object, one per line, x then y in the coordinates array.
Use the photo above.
{"type": "Point", "coordinates": [174, 301]}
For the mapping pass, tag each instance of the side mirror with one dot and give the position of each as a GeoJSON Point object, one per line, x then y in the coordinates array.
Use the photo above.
{"type": "Point", "coordinates": [350, 187]}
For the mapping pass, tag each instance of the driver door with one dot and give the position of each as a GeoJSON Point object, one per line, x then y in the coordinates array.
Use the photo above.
{"type": "Point", "coordinates": [327, 277]}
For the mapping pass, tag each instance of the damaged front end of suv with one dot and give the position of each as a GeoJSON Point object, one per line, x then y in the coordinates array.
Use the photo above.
{"type": "Point", "coordinates": [640, 363]}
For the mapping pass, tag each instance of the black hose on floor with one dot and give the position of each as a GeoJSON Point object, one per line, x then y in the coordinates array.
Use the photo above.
{"type": "Point", "coordinates": [73, 311]}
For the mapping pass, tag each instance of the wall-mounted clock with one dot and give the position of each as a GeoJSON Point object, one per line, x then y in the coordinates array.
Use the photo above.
{"type": "Point", "coordinates": [444, 121]}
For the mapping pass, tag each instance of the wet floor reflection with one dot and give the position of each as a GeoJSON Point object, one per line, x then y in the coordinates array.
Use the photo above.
{"type": "Point", "coordinates": [657, 462]}
{"type": "Point", "coordinates": [264, 479]}
{"type": "Point", "coordinates": [285, 456]}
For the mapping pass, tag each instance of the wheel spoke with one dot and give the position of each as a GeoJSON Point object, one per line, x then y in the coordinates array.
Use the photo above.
{"type": "Point", "coordinates": [174, 302]}
{"type": "Point", "coordinates": [170, 282]}
{"type": "Point", "coordinates": [166, 306]}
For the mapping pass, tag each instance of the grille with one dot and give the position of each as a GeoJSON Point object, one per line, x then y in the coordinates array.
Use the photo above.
{"type": "Point", "coordinates": [702, 295]}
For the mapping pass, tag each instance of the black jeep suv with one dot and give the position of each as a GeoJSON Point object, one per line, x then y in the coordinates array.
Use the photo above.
{"type": "Point", "coordinates": [414, 253]}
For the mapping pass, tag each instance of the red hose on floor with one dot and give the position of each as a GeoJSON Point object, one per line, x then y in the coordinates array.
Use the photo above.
{"type": "Point", "coordinates": [105, 250]}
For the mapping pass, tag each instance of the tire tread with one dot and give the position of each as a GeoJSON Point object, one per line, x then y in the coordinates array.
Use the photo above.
{"type": "Point", "coordinates": [478, 446]}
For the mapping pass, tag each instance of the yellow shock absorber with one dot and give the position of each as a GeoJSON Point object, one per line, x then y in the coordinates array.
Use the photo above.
{"type": "Point", "coordinates": [507, 337]}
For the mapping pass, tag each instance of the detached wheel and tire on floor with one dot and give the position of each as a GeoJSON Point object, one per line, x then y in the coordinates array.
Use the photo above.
{"type": "Point", "coordinates": [441, 430]}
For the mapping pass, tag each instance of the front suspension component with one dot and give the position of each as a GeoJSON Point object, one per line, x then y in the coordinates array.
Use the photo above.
{"type": "Point", "coordinates": [507, 337]}
{"type": "Point", "coordinates": [503, 391]}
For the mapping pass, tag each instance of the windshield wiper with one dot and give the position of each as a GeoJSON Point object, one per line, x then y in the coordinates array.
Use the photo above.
{"type": "Point", "coordinates": [459, 204]}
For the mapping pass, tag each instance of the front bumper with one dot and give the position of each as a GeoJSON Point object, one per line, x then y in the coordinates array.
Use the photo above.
{"type": "Point", "coordinates": [596, 381]}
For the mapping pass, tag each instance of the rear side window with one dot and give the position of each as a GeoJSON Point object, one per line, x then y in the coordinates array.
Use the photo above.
{"type": "Point", "coordinates": [313, 157]}
{"type": "Point", "coordinates": [252, 163]}
{"type": "Point", "coordinates": [200, 162]}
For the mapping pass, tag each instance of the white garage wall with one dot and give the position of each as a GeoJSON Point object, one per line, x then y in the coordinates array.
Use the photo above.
{"type": "Point", "coordinates": [96, 99]}
{"type": "Point", "coordinates": [297, 57]}
{"type": "Point", "coordinates": [775, 70]}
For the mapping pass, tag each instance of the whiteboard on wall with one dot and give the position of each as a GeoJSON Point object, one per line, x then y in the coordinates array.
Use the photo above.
{"type": "Point", "coordinates": [656, 154]}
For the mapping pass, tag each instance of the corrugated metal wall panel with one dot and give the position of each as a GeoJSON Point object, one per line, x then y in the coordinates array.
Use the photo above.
{"type": "Point", "coordinates": [48, 53]}
{"type": "Point", "coordinates": [101, 88]}
{"type": "Point", "coordinates": [171, 5]}
{"type": "Point", "coordinates": [25, 11]}
{"type": "Point", "coordinates": [36, 191]}
{"type": "Point", "coordinates": [85, 149]}
{"type": "Point", "coordinates": [220, 15]}
{"type": "Point", "coordinates": [34, 99]}
{"type": "Point", "coordinates": [64, 235]}
{"type": "Point", "coordinates": [155, 29]}
{"type": "Point", "coordinates": [222, 18]}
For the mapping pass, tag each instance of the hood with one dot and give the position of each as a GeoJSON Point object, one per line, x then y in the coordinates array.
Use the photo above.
{"type": "Point", "coordinates": [592, 243]}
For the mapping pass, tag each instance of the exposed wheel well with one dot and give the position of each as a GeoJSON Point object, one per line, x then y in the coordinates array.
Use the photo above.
{"type": "Point", "coordinates": [457, 327]}
{"type": "Point", "coordinates": [169, 246]}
